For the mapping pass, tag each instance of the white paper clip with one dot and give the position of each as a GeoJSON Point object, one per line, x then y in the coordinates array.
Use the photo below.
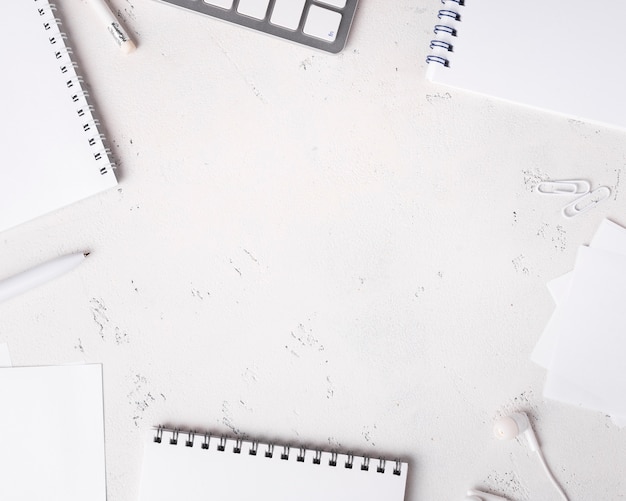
{"type": "Point", "coordinates": [565, 187]}
{"type": "Point", "coordinates": [587, 201]}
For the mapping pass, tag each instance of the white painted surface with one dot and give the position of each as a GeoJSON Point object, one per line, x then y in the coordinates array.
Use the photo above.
{"type": "Point", "coordinates": [319, 249]}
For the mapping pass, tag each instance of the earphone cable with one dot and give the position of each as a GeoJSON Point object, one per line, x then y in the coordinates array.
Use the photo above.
{"type": "Point", "coordinates": [546, 468]}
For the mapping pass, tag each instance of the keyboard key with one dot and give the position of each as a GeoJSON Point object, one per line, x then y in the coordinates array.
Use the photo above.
{"type": "Point", "coordinates": [322, 23]}
{"type": "Point", "coordinates": [253, 8]}
{"type": "Point", "coordinates": [224, 4]}
{"type": "Point", "coordinates": [340, 4]}
{"type": "Point", "coordinates": [287, 13]}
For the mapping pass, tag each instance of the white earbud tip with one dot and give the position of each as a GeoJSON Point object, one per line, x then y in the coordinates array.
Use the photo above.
{"type": "Point", "coordinates": [506, 428]}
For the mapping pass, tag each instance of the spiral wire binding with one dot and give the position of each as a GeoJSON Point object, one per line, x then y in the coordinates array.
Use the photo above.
{"type": "Point", "coordinates": [76, 85]}
{"type": "Point", "coordinates": [445, 32]}
{"type": "Point", "coordinates": [254, 446]}
{"type": "Point", "coordinates": [223, 443]}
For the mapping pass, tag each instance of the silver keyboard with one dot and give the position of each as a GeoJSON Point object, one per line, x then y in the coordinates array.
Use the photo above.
{"type": "Point", "coordinates": [322, 24]}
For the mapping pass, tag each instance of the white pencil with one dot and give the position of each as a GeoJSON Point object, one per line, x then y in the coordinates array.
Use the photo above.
{"type": "Point", "coordinates": [113, 26]}
{"type": "Point", "coordinates": [26, 280]}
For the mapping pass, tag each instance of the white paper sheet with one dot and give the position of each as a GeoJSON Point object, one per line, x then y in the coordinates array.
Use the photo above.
{"type": "Point", "coordinates": [609, 237]}
{"type": "Point", "coordinates": [52, 434]}
{"type": "Point", "coordinates": [590, 329]}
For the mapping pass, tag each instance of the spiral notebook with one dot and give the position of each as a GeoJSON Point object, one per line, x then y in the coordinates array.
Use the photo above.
{"type": "Point", "coordinates": [564, 57]}
{"type": "Point", "coordinates": [53, 151]}
{"type": "Point", "coordinates": [199, 466]}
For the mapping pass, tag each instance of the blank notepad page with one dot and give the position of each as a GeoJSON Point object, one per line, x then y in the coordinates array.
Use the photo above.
{"type": "Point", "coordinates": [52, 434]}
{"type": "Point", "coordinates": [226, 470]}
{"type": "Point", "coordinates": [564, 57]}
{"type": "Point", "coordinates": [53, 151]}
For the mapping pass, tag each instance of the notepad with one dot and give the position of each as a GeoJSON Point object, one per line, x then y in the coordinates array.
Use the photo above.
{"type": "Point", "coordinates": [53, 147]}
{"type": "Point", "coordinates": [565, 57]}
{"type": "Point", "coordinates": [583, 345]}
{"type": "Point", "coordinates": [199, 466]}
{"type": "Point", "coordinates": [52, 434]}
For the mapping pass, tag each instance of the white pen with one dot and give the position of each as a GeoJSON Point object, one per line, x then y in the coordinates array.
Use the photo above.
{"type": "Point", "coordinates": [113, 26]}
{"type": "Point", "coordinates": [29, 279]}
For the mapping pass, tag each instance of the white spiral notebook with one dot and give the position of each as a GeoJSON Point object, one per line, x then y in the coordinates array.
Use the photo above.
{"type": "Point", "coordinates": [53, 151]}
{"type": "Point", "coordinates": [198, 466]}
{"type": "Point", "coordinates": [564, 57]}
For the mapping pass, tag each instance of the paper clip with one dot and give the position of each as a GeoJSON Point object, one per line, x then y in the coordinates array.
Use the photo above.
{"type": "Point", "coordinates": [587, 201]}
{"type": "Point", "coordinates": [565, 187]}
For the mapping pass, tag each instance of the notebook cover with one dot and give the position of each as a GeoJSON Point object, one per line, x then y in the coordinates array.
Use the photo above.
{"type": "Point", "coordinates": [563, 57]}
{"type": "Point", "coordinates": [197, 467]}
{"type": "Point", "coordinates": [53, 151]}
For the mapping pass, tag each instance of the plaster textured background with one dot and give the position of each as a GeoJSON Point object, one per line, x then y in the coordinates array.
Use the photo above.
{"type": "Point", "coordinates": [318, 249]}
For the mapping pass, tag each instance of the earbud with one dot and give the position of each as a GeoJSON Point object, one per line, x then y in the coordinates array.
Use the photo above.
{"type": "Point", "coordinates": [512, 426]}
{"type": "Point", "coordinates": [516, 424]}
{"type": "Point", "coordinates": [473, 495]}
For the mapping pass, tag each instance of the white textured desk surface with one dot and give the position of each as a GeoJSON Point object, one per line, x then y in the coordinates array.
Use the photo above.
{"type": "Point", "coordinates": [319, 249]}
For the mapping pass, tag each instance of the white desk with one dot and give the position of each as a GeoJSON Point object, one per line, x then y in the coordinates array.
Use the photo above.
{"type": "Point", "coordinates": [319, 249]}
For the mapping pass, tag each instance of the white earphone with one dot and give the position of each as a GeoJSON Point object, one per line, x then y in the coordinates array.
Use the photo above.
{"type": "Point", "coordinates": [517, 424]}
{"type": "Point", "coordinates": [473, 495]}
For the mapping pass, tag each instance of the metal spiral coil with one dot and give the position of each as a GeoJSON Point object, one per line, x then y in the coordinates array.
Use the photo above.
{"type": "Point", "coordinates": [75, 84]}
{"type": "Point", "coordinates": [222, 444]}
{"type": "Point", "coordinates": [441, 44]}
{"type": "Point", "coordinates": [445, 32]}
{"type": "Point", "coordinates": [442, 28]}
